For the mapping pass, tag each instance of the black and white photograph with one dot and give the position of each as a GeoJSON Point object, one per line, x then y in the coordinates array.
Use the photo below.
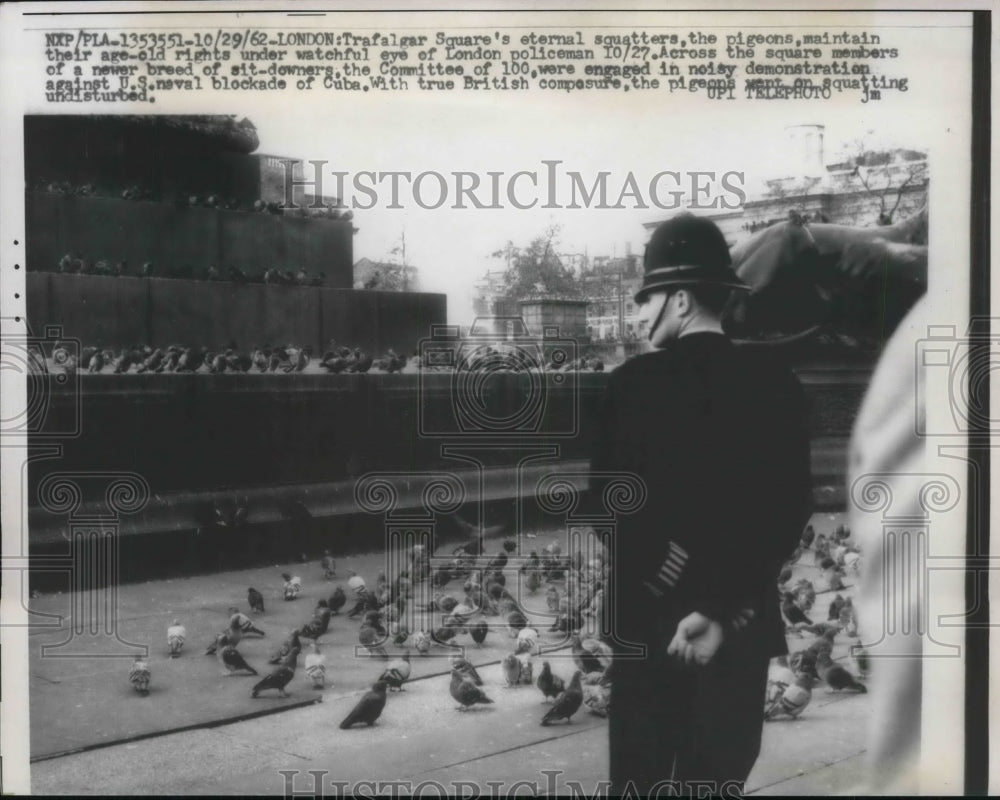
{"type": "Point", "coordinates": [495, 401]}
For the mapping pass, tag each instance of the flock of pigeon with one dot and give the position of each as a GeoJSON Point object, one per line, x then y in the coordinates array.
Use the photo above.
{"type": "Point", "coordinates": [336, 359]}
{"type": "Point", "coordinates": [176, 358]}
{"type": "Point", "coordinates": [792, 678]}
{"type": "Point", "coordinates": [76, 264]}
{"type": "Point", "coordinates": [463, 595]}
{"type": "Point", "coordinates": [71, 264]}
{"type": "Point", "coordinates": [137, 193]}
{"type": "Point", "coordinates": [483, 606]}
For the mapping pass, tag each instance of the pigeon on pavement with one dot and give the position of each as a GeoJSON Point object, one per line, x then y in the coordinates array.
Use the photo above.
{"type": "Point", "coordinates": [232, 661]}
{"type": "Point", "coordinates": [550, 685]}
{"type": "Point", "coordinates": [316, 666]}
{"type": "Point", "coordinates": [337, 600]}
{"type": "Point", "coordinates": [836, 677]}
{"type": "Point", "coordinates": [466, 692]}
{"type": "Point", "coordinates": [464, 666]}
{"type": "Point", "coordinates": [255, 600]}
{"type": "Point", "coordinates": [397, 672]}
{"type": "Point", "coordinates": [278, 679]}
{"type": "Point", "coordinates": [369, 707]}
{"type": "Point", "coordinates": [139, 675]}
{"type": "Point", "coordinates": [792, 699]}
{"type": "Point", "coordinates": [567, 703]}
{"type": "Point", "coordinates": [176, 634]}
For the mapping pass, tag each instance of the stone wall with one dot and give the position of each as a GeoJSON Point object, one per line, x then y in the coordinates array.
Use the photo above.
{"type": "Point", "coordinates": [95, 228]}
{"type": "Point", "coordinates": [114, 312]}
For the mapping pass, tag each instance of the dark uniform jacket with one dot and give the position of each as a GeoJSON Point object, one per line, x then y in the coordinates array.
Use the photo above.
{"type": "Point", "coordinates": [718, 434]}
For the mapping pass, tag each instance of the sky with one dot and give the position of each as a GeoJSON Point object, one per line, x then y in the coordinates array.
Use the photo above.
{"type": "Point", "coordinates": [616, 132]}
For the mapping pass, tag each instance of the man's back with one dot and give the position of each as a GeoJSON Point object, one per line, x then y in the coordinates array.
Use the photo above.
{"type": "Point", "coordinates": [718, 435]}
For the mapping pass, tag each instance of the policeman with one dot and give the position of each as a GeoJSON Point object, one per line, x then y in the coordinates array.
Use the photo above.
{"type": "Point", "coordinates": [718, 435]}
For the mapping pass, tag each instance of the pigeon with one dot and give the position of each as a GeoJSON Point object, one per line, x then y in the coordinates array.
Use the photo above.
{"type": "Point", "coordinates": [292, 659]}
{"type": "Point", "coordinates": [280, 678]}
{"type": "Point", "coordinates": [792, 613]}
{"type": "Point", "coordinates": [792, 699]}
{"type": "Point", "coordinates": [97, 361]}
{"type": "Point", "coordinates": [512, 670]}
{"type": "Point", "coordinates": [445, 603]}
{"type": "Point", "coordinates": [231, 635]}
{"type": "Point", "coordinates": [478, 631]}
{"type": "Point", "coordinates": [835, 605]}
{"type": "Point", "coordinates": [567, 703]}
{"type": "Point", "coordinates": [596, 610]}
{"type": "Point", "coordinates": [337, 600]}
{"type": "Point", "coordinates": [821, 549]}
{"type": "Point", "coordinates": [367, 601]}
{"type": "Point", "coordinates": [138, 675]}
{"type": "Point", "coordinates": [779, 678]}
{"type": "Point", "coordinates": [849, 618]}
{"type": "Point", "coordinates": [516, 622]}
{"type": "Point", "coordinates": [805, 594]}
{"type": "Point", "coordinates": [550, 685]}
{"type": "Point", "coordinates": [422, 642]}
{"type": "Point", "coordinates": [466, 692]}
{"type": "Point", "coordinates": [232, 661]}
{"type": "Point", "coordinates": [836, 580]}
{"type": "Point", "coordinates": [862, 658]}
{"type": "Point", "coordinates": [441, 577]}
{"type": "Point", "coordinates": [808, 536]}
{"type": "Point", "coordinates": [322, 614]}
{"type": "Point", "coordinates": [533, 563]}
{"type": "Point", "coordinates": [316, 666]}
{"type": "Point", "coordinates": [824, 643]}
{"type": "Point", "coordinates": [498, 562]}
{"type": "Point", "coordinates": [464, 666]}
{"type": "Point", "coordinates": [255, 600]}
{"type": "Point", "coordinates": [243, 622]}
{"type": "Point", "coordinates": [399, 632]}
{"type": "Point", "coordinates": [290, 644]}
{"type": "Point", "coordinates": [329, 565]}
{"type": "Point", "coordinates": [398, 672]}
{"type": "Point", "coordinates": [803, 661]}
{"type": "Point", "coordinates": [370, 638]}
{"type": "Point", "coordinates": [318, 625]}
{"type": "Point", "coordinates": [597, 693]}
{"type": "Point", "coordinates": [584, 656]}
{"type": "Point", "coordinates": [292, 587]}
{"type": "Point", "coordinates": [495, 592]}
{"type": "Point", "coordinates": [836, 677]}
{"type": "Point", "coordinates": [176, 634]}
{"type": "Point", "coordinates": [527, 669]}
{"type": "Point", "coordinates": [444, 634]}
{"type": "Point", "coordinates": [527, 640]}
{"type": "Point", "coordinates": [369, 707]}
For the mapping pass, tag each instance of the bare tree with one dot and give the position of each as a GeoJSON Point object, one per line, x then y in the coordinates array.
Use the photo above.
{"type": "Point", "coordinates": [888, 175]}
{"type": "Point", "coordinates": [536, 270]}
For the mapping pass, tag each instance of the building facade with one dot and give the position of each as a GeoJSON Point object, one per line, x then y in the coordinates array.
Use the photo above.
{"type": "Point", "coordinates": [871, 189]}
